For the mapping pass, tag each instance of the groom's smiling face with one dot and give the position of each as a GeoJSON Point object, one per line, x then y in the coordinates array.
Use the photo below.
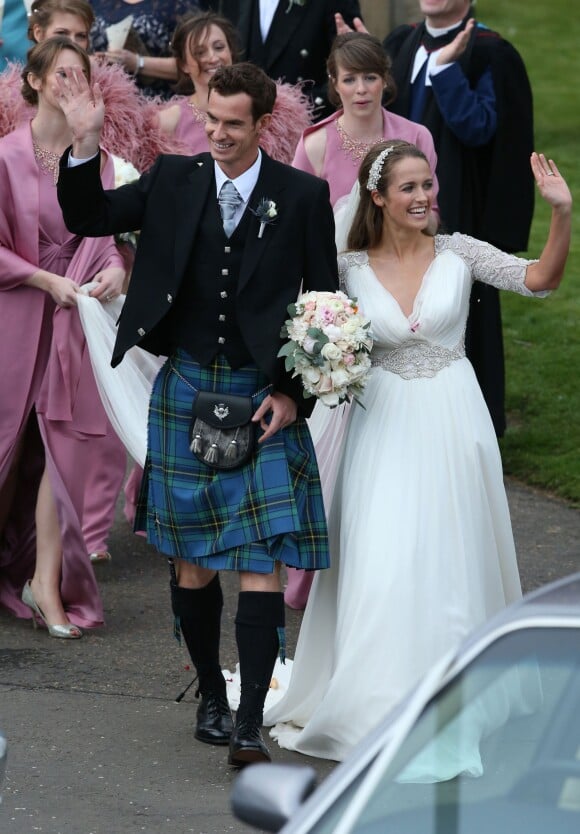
{"type": "Point", "coordinates": [232, 132]}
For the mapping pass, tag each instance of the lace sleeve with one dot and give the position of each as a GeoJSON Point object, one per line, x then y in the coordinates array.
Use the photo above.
{"type": "Point", "coordinates": [345, 263]}
{"type": "Point", "coordinates": [488, 264]}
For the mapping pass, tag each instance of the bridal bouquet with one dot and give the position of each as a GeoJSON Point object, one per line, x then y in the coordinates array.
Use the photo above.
{"type": "Point", "coordinates": [329, 345]}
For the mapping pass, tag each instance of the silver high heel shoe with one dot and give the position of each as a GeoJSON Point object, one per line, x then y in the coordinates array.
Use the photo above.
{"type": "Point", "coordinates": [100, 557]}
{"type": "Point", "coordinates": [66, 632]}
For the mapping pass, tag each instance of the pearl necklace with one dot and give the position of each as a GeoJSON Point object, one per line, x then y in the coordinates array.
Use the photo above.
{"type": "Point", "coordinates": [353, 147]}
{"type": "Point", "coordinates": [49, 161]}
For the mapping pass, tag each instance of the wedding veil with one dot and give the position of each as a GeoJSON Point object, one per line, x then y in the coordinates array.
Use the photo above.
{"type": "Point", "coordinates": [344, 212]}
{"type": "Point", "coordinates": [124, 390]}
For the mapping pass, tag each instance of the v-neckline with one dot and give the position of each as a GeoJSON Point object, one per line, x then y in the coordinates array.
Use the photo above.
{"type": "Point", "coordinates": [408, 318]}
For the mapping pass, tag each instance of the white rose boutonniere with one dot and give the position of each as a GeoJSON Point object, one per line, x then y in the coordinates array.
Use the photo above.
{"type": "Point", "coordinates": [266, 212]}
{"type": "Point", "coordinates": [295, 3]}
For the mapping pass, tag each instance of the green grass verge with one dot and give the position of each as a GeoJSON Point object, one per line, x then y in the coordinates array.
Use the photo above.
{"type": "Point", "coordinates": [542, 339]}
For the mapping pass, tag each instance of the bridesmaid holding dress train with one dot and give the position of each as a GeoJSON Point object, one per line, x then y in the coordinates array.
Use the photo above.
{"type": "Point", "coordinates": [54, 410]}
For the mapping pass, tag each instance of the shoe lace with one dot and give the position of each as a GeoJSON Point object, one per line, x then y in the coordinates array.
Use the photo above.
{"type": "Point", "coordinates": [217, 704]}
{"type": "Point", "coordinates": [249, 727]}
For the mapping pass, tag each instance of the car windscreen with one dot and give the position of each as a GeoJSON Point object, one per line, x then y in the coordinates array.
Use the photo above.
{"type": "Point", "coordinates": [497, 750]}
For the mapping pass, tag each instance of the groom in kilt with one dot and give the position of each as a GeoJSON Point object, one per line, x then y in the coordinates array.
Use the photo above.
{"type": "Point", "coordinates": [215, 269]}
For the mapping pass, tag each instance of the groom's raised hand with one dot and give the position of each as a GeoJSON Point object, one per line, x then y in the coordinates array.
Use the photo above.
{"type": "Point", "coordinates": [83, 108]}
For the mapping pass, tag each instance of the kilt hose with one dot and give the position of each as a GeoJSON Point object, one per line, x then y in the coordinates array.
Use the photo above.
{"type": "Point", "coordinates": [268, 510]}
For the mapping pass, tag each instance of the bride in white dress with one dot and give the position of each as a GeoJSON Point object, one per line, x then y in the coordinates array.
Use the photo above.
{"type": "Point", "coordinates": [421, 539]}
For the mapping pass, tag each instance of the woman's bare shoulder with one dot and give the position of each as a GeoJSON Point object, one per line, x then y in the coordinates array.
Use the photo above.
{"type": "Point", "coordinates": [315, 148]}
{"type": "Point", "coordinates": [169, 118]}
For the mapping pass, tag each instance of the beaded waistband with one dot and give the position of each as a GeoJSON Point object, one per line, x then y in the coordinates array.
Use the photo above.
{"type": "Point", "coordinates": [413, 360]}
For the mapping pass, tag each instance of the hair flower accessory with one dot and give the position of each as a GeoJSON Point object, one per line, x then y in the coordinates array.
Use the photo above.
{"type": "Point", "coordinates": [329, 345]}
{"type": "Point", "coordinates": [266, 212]}
{"type": "Point", "coordinates": [377, 168]}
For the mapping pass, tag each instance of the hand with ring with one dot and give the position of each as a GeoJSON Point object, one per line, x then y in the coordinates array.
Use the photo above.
{"type": "Point", "coordinates": [109, 283]}
{"type": "Point", "coordinates": [551, 185]}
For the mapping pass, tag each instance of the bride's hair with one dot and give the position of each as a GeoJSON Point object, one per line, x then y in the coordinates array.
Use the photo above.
{"type": "Point", "coordinates": [367, 225]}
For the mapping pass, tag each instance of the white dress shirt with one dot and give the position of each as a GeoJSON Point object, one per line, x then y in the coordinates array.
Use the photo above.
{"type": "Point", "coordinates": [244, 184]}
{"type": "Point", "coordinates": [267, 12]}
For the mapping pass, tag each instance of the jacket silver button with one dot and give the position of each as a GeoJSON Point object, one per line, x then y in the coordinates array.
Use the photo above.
{"type": "Point", "coordinates": [140, 331]}
{"type": "Point", "coordinates": [221, 340]}
{"type": "Point", "coordinates": [169, 297]}
{"type": "Point", "coordinates": [223, 294]}
{"type": "Point", "coordinates": [221, 317]}
{"type": "Point", "coordinates": [227, 249]}
{"type": "Point", "coordinates": [225, 272]}
{"type": "Point", "coordinates": [318, 101]}
{"type": "Point", "coordinates": [304, 53]}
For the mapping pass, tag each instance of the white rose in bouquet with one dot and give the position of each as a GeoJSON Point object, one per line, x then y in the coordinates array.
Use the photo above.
{"type": "Point", "coordinates": [311, 375]}
{"type": "Point", "coordinates": [340, 378]}
{"type": "Point", "coordinates": [331, 351]}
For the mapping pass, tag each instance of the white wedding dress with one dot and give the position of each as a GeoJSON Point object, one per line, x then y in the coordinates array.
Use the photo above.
{"type": "Point", "coordinates": [421, 542]}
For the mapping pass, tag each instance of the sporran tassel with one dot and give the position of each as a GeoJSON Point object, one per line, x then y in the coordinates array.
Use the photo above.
{"type": "Point", "coordinates": [196, 444]}
{"type": "Point", "coordinates": [212, 453]}
{"type": "Point", "coordinates": [232, 450]}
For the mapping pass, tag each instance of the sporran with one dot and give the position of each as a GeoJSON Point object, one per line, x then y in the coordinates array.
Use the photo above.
{"type": "Point", "coordinates": [222, 435]}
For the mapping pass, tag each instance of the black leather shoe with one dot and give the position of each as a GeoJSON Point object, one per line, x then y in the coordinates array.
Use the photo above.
{"type": "Point", "coordinates": [214, 719]}
{"type": "Point", "coordinates": [247, 745]}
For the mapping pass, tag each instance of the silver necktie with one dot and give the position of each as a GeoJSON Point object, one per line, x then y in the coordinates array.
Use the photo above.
{"type": "Point", "coordinates": [229, 200]}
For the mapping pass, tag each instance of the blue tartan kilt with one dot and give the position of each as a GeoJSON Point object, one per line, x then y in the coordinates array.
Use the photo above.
{"type": "Point", "coordinates": [269, 510]}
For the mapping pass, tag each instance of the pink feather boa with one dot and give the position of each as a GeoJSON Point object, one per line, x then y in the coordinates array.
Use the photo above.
{"type": "Point", "coordinates": [292, 115]}
{"type": "Point", "coordinates": [131, 128]}
{"type": "Point", "coordinates": [13, 109]}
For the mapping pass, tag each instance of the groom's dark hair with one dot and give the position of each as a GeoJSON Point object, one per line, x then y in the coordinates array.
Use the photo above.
{"type": "Point", "coordinates": [246, 78]}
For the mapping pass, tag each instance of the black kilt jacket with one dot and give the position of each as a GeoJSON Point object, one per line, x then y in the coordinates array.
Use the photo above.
{"type": "Point", "coordinates": [296, 251]}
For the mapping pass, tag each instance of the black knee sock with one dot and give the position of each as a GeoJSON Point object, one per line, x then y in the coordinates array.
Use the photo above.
{"type": "Point", "coordinates": [259, 619]}
{"type": "Point", "coordinates": [198, 614]}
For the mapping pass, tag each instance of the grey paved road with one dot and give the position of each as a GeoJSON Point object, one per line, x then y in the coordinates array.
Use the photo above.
{"type": "Point", "coordinates": [97, 744]}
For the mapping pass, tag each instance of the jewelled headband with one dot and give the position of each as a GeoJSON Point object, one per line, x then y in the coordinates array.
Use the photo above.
{"type": "Point", "coordinates": [376, 169]}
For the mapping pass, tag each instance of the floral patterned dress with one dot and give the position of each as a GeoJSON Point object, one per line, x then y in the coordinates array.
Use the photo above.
{"type": "Point", "coordinates": [154, 22]}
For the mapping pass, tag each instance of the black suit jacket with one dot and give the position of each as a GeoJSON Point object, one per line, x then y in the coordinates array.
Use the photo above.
{"type": "Point", "coordinates": [298, 42]}
{"type": "Point", "coordinates": [296, 250]}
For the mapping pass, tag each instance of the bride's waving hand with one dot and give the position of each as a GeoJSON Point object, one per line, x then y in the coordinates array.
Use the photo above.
{"type": "Point", "coordinates": [547, 273]}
